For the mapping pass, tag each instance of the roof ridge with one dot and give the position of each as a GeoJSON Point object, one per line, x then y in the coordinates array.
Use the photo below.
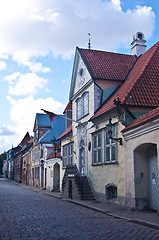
{"type": "Point", "coordinates": [104, 51]}
{"type": "Point", "coordinates": [143, 68]}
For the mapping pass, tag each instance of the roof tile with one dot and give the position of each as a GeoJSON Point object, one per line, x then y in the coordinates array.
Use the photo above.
{"type": "Point", "coordinates": [67, 131]}
{"type": "Point", "coordinates": [107, 65]}
{"type": "Point", "coordinates": [142, 85]}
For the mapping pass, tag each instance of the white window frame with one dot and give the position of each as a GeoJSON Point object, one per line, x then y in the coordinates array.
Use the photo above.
{"type": "Point", "coordinates": [112, 144]}
{"type": "Point", "coordinates": [96, 149]}
{"type": "Point", "coordinates": [82, 106]}
{"type": "Point", "coordinates": [67, 155]}
{"type": "Point", "coordinates": [85, 103]}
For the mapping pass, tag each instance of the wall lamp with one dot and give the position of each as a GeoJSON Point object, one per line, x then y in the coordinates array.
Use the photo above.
{"type": "Point", "coordinates": [109, 129]}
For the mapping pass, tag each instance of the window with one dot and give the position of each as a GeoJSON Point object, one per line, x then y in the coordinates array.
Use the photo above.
{"type": "Point", "coordinates": [97, 150]}
{"type": "Point", "coordinates": [36, 154]}
{"type": "Point", "coordinates": [111, 146]}
{"type": "Point", "coordinates": [85, 103]}
{"type": "Point", "coordinates": [82, 105]}
{"type": "Point", "coordinates": [37, 173]}
{"type": "Point", "coordinates": [79, 108]}
{"type": "Point", "coordinates": [111, 192]}
{"type": "Point", "coordinates": [32, 155]}
{"type": "Point", "coordinates": [67, 158]}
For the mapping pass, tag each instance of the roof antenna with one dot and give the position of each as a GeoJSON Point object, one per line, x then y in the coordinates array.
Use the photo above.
{"type": "Point", "coordinates": [89, 41]}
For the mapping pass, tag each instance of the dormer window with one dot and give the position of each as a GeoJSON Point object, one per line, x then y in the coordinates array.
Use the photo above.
{"type": "Point", "coordinates": [82, 105]}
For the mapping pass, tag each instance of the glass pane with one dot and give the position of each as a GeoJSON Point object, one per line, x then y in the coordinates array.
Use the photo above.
{"type": "Point", "coordinates": [85, 104]}
{"type": "Point", "coordinates": [71, 160]}
{"type": "Point", "coordinates": [64, 162]}
{"type": "Point", "coordinates": [113, 153]}
{"type": "Point", "coordinates": [108, 154]}
{"type": "Point", "coordinates": [113, 131]}
{"type": "Point", "coordinates": [95, 157]}
{"type": "Point", "coordinates": [99, 156]}
{"type": "Point", "coordinates": [69, 150]}
{"type": "Point", "coordinates": [113, 134]}
{"type": "Point", "coordinates": [95, 141]}
{"type": "Point", "coordinates": [107, 138]}
{"type": "Point", "coordinates": [99, 140]}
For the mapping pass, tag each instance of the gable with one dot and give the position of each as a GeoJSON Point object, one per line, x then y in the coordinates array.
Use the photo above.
{"type": "Point", "coordinates": [80, 76]}
{"type": "Point", "coordinates": [41, 121]}
{"type": "Point", "coordinates": [99, 65]}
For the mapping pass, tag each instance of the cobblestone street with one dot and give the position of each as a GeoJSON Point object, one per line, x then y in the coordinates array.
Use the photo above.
{"type": "Point", "coordinates": [25, 214]}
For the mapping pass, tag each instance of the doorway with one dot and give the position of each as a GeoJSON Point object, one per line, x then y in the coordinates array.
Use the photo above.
{"type": "Point", "coordinates": [146, 177]}
{"type": "Point", "coordinates": [56, 178]}
{"type": "Point", "coordinates": [82, 160]}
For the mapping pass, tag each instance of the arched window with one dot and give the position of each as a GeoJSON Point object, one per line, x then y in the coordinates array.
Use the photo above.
{"type": "Point", "coordinates": [110, 191]}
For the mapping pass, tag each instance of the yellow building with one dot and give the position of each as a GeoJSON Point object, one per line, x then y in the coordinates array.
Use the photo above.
{"type": "Point", "coordinates": [26, 163]}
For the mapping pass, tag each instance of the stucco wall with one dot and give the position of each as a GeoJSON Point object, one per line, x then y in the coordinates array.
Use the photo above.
{"type": "Point", "coordinates": [107, 173]}
{"type": "Point", "coordinates": [50, 172]}
{"type": "Point", "coordinates": [134, 139]}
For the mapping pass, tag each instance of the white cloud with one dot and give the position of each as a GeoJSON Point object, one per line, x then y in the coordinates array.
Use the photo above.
{"type": "Point", "coordinates": [24, 84]}
{"type": "Point", "coordinates": [3, 65]}
{"type": "Point", "coordinates": [6, 130]}
{"type": "Point", "coordinates": [23, 113]}
{"type": "Point", "coordinates": [31, 63]}
{"type": "Point", "coordinates": [40, 27]}
{"type": "Point", "coordinates": [5, 143]}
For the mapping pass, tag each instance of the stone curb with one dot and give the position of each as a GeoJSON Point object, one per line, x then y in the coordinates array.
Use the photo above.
{"type": "Point", "coordinates": [133, 220]}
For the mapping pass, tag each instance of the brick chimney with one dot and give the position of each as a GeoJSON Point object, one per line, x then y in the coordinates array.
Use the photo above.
{"type": "Point", "coordinates": [138, 44]}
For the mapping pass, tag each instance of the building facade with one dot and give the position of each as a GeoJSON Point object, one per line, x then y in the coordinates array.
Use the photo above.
{"type": "Point", "coordinates": [107, 89]}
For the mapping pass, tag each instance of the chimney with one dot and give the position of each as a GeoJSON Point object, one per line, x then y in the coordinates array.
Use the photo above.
{"type": "Point", "coordinates": [138, 44]}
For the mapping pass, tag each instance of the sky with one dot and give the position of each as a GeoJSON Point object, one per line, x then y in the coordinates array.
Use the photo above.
{"type": "Point", "coordinates": [38, 39]}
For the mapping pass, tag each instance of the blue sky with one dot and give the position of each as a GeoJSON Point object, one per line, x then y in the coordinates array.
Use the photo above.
{"type": "Point", "coordinates": [38, 39]}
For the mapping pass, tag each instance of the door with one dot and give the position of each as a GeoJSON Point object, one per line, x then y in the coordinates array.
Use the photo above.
{"type": "Point", "coordinates": [56, 178]}
{"type": "Point", "coordinates": [45, 176]}
{"type": "Point", "coordinates": [153, 178]}
{"type": "Point", "coordinates": [82, 158]}
{"type": "Point", "coordinates": [33, 176]}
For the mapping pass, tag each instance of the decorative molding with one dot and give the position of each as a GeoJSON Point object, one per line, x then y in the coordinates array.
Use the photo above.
{"type": "Point", "coordinates": [141, 130]}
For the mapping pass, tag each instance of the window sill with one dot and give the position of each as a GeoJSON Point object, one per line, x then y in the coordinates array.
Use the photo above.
{"type": "Point", "coordinates": [105, 163]}
{"type": "Point", "coordinates": [108, 163]}
{"type": "Point", "coordinates": [96, 164]}
{"type": "Point", "coordinates": [82, 117]}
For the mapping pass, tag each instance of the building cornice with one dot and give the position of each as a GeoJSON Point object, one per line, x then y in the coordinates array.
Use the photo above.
{"type": "Point", "coordinates": [141, 130]}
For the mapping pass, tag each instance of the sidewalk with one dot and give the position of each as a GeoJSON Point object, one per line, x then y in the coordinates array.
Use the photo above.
{"type": "Point", "coordinates": [146, 218]}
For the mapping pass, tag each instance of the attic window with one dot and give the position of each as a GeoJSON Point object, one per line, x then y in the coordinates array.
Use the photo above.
{"type": "Point", "coordinates": [81, 72]}
{"type": "Point", "coordinates": [140, 36]}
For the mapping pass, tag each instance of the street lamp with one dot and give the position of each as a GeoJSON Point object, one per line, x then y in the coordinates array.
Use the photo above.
{"type": "Point", "coordinates": [109, 130]}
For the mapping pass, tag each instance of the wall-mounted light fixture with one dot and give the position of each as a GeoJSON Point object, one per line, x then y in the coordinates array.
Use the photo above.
{"type": "Point", "coordinates": [109, 129]}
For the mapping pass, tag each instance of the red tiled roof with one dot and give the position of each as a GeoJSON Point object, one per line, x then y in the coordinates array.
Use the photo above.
{"type": "Point", "coordinates": [143, 119]}
{"type": "Point", "coordinates": [52, 155]}
{"type": "Point", "coordinates": [68, 107]}
{"type": "Point", "coordinates": [107, 65]}
{"type": "Point", "coordinates": [67, 131]}
{"type": "Point", "coordinates": [142, 85]}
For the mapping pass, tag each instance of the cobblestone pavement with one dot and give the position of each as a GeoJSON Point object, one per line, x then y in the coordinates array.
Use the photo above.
{"type": "Point", "coordinates": [25, 214]}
